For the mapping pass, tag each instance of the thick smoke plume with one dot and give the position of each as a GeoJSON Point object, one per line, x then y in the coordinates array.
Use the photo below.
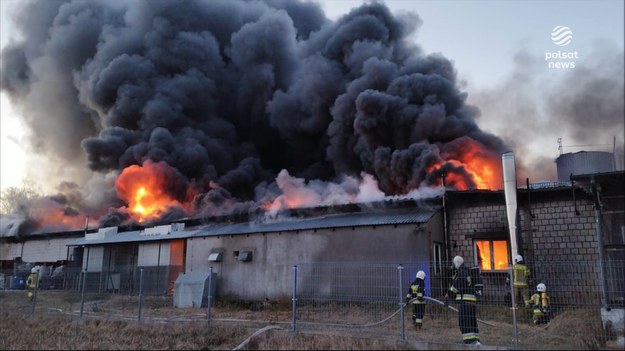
{"type": "Point", "coordinates": [239, 98]}
{"type": "Point", "coordinates": [584, 106]}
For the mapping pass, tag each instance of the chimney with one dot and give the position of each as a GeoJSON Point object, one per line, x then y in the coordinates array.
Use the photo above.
{"type": "Point", "coordinates": [509, 185]}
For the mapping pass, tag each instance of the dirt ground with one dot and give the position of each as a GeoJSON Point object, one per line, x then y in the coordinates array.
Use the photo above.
{"type": "Point", "coordinates": [234, 322]}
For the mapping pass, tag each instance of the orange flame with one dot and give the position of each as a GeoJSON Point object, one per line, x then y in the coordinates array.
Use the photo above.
{"type": "Point", "coordinates": [144, 189]}
{"type": "Point", "coordinates": [481, 164]}
{"type": "Point", "coordinates": [61, 220]}
{"type": "Point", "coordinates": [53, 216]}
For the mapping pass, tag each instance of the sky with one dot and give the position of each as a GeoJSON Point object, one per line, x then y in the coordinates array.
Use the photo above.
{"type": "Point", "coordinates": [501, 46]}
{"type": "Point", "coordinates": [499, 50]}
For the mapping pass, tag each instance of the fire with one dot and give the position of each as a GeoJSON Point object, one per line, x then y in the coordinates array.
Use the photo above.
{"type": "Point", "coordinates": [53, 219]}
{"type": "Point", "coordinates": [151, 190]}
{"type": "Point", "coordinates": [54, 215]}
{"type": "Point", "coordinates": [480, 165]}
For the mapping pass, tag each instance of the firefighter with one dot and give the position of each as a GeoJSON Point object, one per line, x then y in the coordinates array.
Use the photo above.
{"type": "Point", "coordinates": [32, 281]}
{"type": "Point", "coordinates": [540, 304]}
{"type": "Point", "coordinates": [463, 287]}
{"type": "Point", "coordinates": [416, 293]}
{"type": "Point", "coordinates": [520, 281]}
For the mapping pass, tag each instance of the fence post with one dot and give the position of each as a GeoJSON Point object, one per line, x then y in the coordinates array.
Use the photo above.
{"type": "Point", "coordinates": [513, 301]}
{"type": "Point", "coordinates": [82, 293]}
{"type": "Point", "coordinates": [140, 293]}
{"type": "Point", "coordinates": [210, 296]}
{"type": "Point", "coordinates": [294, 299]}
{"type": "Point", "coordinates": [400, 268]}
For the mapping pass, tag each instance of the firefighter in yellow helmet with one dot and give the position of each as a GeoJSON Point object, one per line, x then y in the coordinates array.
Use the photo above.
{"type": "Point", "coordinates": [32, 283]}
{"type": "Point", "coordinates": [540, 305]}
{"type": "Point", "coordinates": [520, 280]}
{"type": "Point", "coordinates": [416, 293]}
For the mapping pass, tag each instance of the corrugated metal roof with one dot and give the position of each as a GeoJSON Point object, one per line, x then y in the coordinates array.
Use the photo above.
{"type": "Point", "coordinates": [322, 222]}
{"type": "Point", "coordinates": [341, 220]}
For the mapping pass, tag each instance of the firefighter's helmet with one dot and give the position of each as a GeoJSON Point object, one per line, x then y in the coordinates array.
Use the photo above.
{"type": "Point", "coordinates": [34, 270]}
{"type": "Point", "coordinates": [458, 261]}
{"type": "Point", "coordinates": [541, 287]}
{"type": "Point", "coordinates": [518, 258]}
{"type": "Point", "coordinates": [421, 275]}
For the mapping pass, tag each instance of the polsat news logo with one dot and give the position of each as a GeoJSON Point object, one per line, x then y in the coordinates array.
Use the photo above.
{"type": "Point", "coordinates": [561, 36]}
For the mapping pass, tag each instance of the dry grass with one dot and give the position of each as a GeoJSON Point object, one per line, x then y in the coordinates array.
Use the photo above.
{"type": "Point", "coordinates": [108, 325]}
{"type": "Point", "coordinates": [62, 333]}
{"type": "Point", "coordinates": [110, 322]}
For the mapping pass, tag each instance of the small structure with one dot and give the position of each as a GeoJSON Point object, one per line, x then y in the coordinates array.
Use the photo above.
{"type": "Point", "coordinates": [191, 289]}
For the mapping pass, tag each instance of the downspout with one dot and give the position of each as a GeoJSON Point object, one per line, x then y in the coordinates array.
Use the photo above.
{"type": "Point", "coordinates": [574, 199]}
{"type": "Point", "coordinates": [509, 183]}
{"type": "Point", "coordinates": [528, 226]}
{"type": "Point", "coordinates": [599, 231]}
{"type": "Point", "coordinates": [67, 267]}
{"type": "Point", "coordinates": [158, 267]}
{"type": "Point", "coordinates": [445, 233]}
{"type": "Point", "coordinates": [529, 199]}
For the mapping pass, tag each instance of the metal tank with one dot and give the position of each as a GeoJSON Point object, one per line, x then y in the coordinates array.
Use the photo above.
{"type": "Point", "coordinates": [584, 162]}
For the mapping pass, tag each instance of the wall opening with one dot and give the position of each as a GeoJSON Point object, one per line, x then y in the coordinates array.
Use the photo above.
{"type": "Point", "coordinates": [492, 255]}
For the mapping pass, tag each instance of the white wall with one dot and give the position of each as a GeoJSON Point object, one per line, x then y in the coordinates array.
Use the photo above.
{"type": "Point", "coordinates": [149, 254]}
{"type": "Point", "coordinates": [46, 250]}
{"type": "Point", "coordinates": [96, 258]}
{"type": "Point", "coordinates": [269, 274]}
{"type": "Point", "coordinates": [9, 251]}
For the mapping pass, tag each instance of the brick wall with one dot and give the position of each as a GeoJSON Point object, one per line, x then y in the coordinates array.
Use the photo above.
{"type": "Point", "coordinates": [560, 247]}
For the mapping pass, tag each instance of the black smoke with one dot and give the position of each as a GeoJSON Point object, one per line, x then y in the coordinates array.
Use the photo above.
{"type": "Point", "coordinates": [230, 93]}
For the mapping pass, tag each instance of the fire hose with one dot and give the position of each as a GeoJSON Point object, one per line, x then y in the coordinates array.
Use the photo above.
{"type": "Point", "coordinates": [448, 306]}
{"type": "Point", "coordinates": [275, 327]}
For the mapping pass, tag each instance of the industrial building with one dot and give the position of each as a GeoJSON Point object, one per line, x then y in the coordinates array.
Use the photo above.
{"type": "Point", "coordinates": [581, 219]}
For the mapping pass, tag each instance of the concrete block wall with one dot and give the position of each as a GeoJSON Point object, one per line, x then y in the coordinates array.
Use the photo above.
{"type": "Point", "coordinates": [468, 220]}
{"type": "Point", "coordinates": [566, 250]}
{"type": "Point", "coordinates": [559, 234]}
{"type": "Point", "coordinates": [561, 247]}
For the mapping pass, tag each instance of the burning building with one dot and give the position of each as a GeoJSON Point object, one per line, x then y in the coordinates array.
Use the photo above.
{"type": "Point", "coordinates": [246, 255]}
{"type": "Point", "coordinates": [180, 112]}
{"type": "Point", "coordinates": [227, 115]}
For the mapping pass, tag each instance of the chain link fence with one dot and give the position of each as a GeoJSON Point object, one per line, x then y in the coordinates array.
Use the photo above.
{"type": "Point", "coordinates": [361, 299]}
{"type": "Point", "coordinates": [370, 299]}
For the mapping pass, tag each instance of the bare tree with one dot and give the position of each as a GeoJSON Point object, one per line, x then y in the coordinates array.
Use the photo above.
{"type": "Point", "coordinates": [15, 199]}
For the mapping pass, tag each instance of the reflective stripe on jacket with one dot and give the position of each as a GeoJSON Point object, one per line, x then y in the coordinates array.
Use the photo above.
{"type": "Point", "coordinates": [462, 285]}
{"type": "Point", "coordinates": [417, 289]}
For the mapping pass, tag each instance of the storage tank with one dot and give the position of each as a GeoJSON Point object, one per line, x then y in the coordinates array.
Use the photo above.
{"type": "Point", "coordinates": [584, 162]}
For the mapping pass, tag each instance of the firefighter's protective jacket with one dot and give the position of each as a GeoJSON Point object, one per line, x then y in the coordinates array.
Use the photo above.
{"type": "Point", "coordinates": [521, 275]}
{"type": "Point", "coordinates": [31, 282]}
{"type": "Point", "coordinates": [417, 289]}
{"type": "Point", "coordinates": [463, 285]}
{"type": "Point", "coordinates": [540, 303]}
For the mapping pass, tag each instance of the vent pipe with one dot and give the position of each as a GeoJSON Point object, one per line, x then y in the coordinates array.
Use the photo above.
{"type": "Point", "coordinates": [509, 184]}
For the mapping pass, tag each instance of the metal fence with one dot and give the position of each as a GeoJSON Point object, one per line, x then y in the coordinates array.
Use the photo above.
{"type": "Point", "coordinates": [361, 299]}
{"type": "Point", "coordinates": [369, 299]}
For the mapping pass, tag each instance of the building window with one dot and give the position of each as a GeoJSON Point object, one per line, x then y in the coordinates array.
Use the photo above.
{"type": "Point", "coordinates": [436, 254]}
{"type": "Point", "coordinates": [492, 255]}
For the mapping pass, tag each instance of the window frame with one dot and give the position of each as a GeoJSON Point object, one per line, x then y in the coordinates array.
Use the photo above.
{"type": "Point", "coordinates": [492, 253]}
{"type": "Point", "coordinates": [437, 266]}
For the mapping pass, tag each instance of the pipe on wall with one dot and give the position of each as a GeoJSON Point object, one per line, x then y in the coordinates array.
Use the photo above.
{"type": "Point", "coordinates": [510, 190]}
